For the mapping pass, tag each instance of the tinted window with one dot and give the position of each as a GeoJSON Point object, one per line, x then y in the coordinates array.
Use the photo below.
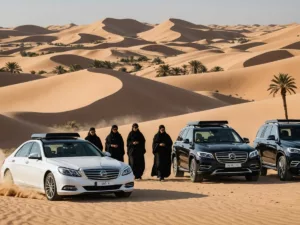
{"type": "Point", "coordinates": [70, 149]}
{"type": "Point", "coordinates": [24, 150]}
{"type": "Point", "coordinates": [268, 131]}
{"type": "Point", "coordinates": [190, 135]}
{"type": "Point", "coordinates": [180, 135]}
{"type": "Point", "coordinates": [263, 131]}
{"type": "Point", "coordinates": [217, 136]}
{"type": "Point", "coordinates": [35, 149]}
{"type": "Point", "coordinates": [291, 133]}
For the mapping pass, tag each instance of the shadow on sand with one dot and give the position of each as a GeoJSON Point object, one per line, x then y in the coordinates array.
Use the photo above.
{"type": "Point", "coordinates": [139, 195]}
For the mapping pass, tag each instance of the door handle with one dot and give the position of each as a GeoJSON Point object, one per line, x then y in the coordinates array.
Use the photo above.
{"type": "Point", "coordinates": [13, 160]}
{"type": "Point", "coordinates": [26, 162]}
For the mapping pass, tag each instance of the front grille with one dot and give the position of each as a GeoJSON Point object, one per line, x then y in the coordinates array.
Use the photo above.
{"type": "Point", "coordinates": [231, 157]}
{"type": "Point", "coordinates": [102, 188]}
{"type": "Point", "coordinates": [102, 174]}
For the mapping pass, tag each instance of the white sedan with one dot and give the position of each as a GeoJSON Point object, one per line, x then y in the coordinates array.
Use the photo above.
{"type": "Point", "coordinates": [63, 165]}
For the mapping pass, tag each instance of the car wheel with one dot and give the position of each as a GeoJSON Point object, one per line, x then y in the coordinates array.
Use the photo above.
{"type": "Point", "coordinates": [282, 169]}
{"type": "Point", "coordinates": [176, 171]}
{"type": "Point", "coordinates": [123, 194]}
{"type": "Point", "coordinates": [8, 178]}
{"type": "Point", "coordinates": [263, 171]}
{"type": "Point", "coordinates": [194, 168]}
{"type": "Point", "coordinates": [50, 188]}
{"type": "Point", "coordinates": [252, 177]}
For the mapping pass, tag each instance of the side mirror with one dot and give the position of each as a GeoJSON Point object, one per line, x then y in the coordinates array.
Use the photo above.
{"type": "Point", "coordinates": [34, 156]}
{"type": "Point", "coordinates": [186, 141]}
{"type": "Point", "coordinates": [246, 140]}
{"type": "Point", "coordinates": [271, 138]}
{"type": "Point", "coordinates": [107, 154]}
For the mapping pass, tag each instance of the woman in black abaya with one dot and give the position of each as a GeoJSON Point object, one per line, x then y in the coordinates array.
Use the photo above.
{"type": "Point", "coordinates": [115, 144]}
{"type": "Point", "coordinates": [136, 150]}
{"type": "Point", "coordinates": [162, 148]}
{"type": "Point", "coordinates": [94, 139]}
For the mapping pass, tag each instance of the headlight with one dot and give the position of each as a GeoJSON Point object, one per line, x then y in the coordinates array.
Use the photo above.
{"type": "Point", "coordinates": [205, 155]}
{"type": "Point", "coordinates": [253, 154]}
{"type": "Point", "coordinates": [127, 171]}
{"type": "Point", "coordinates": [293, 150]}
{"type": "Point", "coordinates": [69, 172]}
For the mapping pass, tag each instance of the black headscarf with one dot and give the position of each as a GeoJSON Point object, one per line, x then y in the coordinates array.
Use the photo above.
{"type": "Point", "coordinates": [94, 139]}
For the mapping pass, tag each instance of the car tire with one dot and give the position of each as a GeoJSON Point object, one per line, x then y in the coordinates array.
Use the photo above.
{"type": "Point", "coordinates": [282, 169]}
{"type": "Point", "coordinates": [123, 194]}
{"type": "Point", "coordinates": [50, 188]}
{"type": "Point", "coordinates": [194, 167]}
{"type": "Point", "coordinates": [176, 171]}
{"type": "Point", "coordinates": [8, 178]}
{"type": "Point", "coordinates": [252, 177]}
{"type": "Point", "coordinates": [263, 171]}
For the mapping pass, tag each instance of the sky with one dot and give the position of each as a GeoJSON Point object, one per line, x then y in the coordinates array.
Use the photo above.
{"type": "Point", "coordinates": [59, 12]}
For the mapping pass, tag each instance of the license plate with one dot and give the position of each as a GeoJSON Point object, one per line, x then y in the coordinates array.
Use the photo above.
{"type": "Point", "coordinates": [233, 165]}
{"type": "Point", "coordinates": [103, 183]}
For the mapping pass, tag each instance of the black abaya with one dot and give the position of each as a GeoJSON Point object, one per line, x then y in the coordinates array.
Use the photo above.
{"type": "Point", "coordinates": [115, 139]}
{"type": "Point", "coordinates": [162, 155]}
{"type": "Point", "coordinates": [136, 153]}
{"type": "Point", "coordinates": [94, 139]}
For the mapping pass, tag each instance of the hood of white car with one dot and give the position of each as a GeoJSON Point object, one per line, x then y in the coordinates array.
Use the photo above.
{"type": "Point", "coordinates": [85, 162]}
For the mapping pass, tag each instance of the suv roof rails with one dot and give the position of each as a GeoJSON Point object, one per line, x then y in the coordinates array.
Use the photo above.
{"type": "Point", "coordinates": [55, 136]}
{"type": "Point", "coordinates": [222, 123]}
{"type": "Point", "coordinates": [281, 121]}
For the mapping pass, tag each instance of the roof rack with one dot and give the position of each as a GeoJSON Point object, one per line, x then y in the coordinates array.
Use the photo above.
{"type": "Point", "coordinates": [222, 123]}
{"type": "Point", "coordinates": [55, 136]}
{"type": "Point", "coordinates": [282, 121]}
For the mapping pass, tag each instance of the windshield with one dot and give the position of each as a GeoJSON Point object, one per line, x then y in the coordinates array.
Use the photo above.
{"type": "Point", "coordinates": [291, 133]}
{"type": "Point", "coordinates": [70, 149]}
{"type": "Point", "coordinates": [217, 136]}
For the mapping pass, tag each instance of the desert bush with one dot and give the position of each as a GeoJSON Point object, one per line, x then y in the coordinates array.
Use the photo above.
{"type": "Point", "coordinates": [217, 69]}
{"type": "Point", "coordinates": [137, 67]}
{"type": "Point", "coordinates": [123, 69]}
{"type": "Point", "coordinates": [143, 59]}
{"type": "Point", "coordinates": [32, 72]}
{"type": "Point", "coordinates": [75, 67]}
{"type": "Point", "coordinates": [42, 72]}
{"type": "Point", "coordinates": [158, 61]}
{"type": "Point", "coordinates": [59, 70]}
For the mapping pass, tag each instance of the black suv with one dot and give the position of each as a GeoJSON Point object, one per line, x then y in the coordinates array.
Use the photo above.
{"type": "Point", "coordinates": [278, 142]}
{"type": "Point", "coordinates": [206, 148]}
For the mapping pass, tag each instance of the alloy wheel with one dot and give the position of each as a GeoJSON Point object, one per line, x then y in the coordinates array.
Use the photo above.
{"type": "Point", "coordinates": [50, 187]}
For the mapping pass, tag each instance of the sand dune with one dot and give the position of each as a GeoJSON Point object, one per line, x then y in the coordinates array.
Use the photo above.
{"type": "Point", "coordinates": [32, 29]}
{"type": "Point", "coordinates": [249, 83]}
{"type": "Point", "coordinates": [246, 46]}
{"type": "Point", "coordinates": [131, 102]}
{"type": "Point", "coordinates": [7, 79]}
{"type": "Point", "coordinates": [61, 27]}
{"type": "Point", "coordinates": [268, 57]}
{"type": "Point", "coordinates": [124, 27]}
{"type": "Point", "coordinates": [167, 51]}
{"type": "Point", "coordinates": [179, 30]}
{"type": "Point", "coordinates": [37, 38]}
{"type": "Point", "coordinates": [88, 38]}
{"type": "Point", "coordinates": [68, 60]}
{"type": "Point", "coordinates": [58, 93]}
{"type": "Point", "coordinates": [14, 50]}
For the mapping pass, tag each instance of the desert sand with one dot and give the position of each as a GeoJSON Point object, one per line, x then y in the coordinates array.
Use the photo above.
{"type": "Point", "coordinates": [32, 103]}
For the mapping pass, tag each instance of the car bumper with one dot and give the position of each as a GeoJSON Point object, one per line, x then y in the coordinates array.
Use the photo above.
{"type": "Point", "coordinates": [294, 165]}
{"type": "Point", "coordinates": [81, 185]}
{"type": "Point", "coordinates": [213, 167]}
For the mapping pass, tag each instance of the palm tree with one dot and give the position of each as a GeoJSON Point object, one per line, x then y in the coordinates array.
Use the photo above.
{"type": "Point", "coordinates": [74, 67]}
{"type": "Point", "coordinates": [158, 61]}
{"type": "Point", "coordinates": [59, 70]}
{"type": "Point", "coordinates": [97, 64]}
{"type": "Point", "coordinates": [217, 69]}
{"type": "Point", "coordinates": [203, 69]}
{"type": "Point", "coordinates": [3, 69]}
{"type": "Point", "coordinates": [195, 66]}
{"type": "Point", "coordinates": [176, 70]}
{"type": "Point", "coordinates": [13, 67]}
{"type": "Point", "coordinates": [283, 83]}
{"type": "Point", "coordinates": [185, 69]}
{"type": "Point", "coordinates": [163, 71]}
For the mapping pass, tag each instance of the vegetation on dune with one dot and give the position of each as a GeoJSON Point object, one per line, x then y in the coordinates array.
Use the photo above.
{"type": "Point", "coordinates": [158, 61]}
{"type": "Point", "coordinates": [217, 69]}
{"type": "Point", "coordinates": [74, 67]}
{"type": "Point", "coordinates": [163, 71]}
{"type": "Point", "coordinates": [59, 70]}
{"type": "Point", "coordinates": [176, 71]}
{"type": "Point", "coordinates": [28, 54]}
{"type": "Point", "coordinates": [185, 69]}
{"type": "Point", "coordinates": [197, 67]}
{"type": "Point", "coordinates": [283, 83]}
{"type": "Point", "coordinates": [12, 67]}
{"type": "Point", "coordinates": [123, 69]}
{"type": "Point", "coordinates": [137, 67]}
{"type": "Point", "coordinates": [143, 59]}
{"type": "Point", "coordinates": [32, 72]}
{"type": "Point", "coordinates": [103, 64]}
{"type": "Point", "coordinates": [42, 72]}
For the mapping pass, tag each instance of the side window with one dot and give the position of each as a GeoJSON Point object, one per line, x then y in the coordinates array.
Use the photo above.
{"type": "Point", "coordinates": [262, 134]}
{"type": "Point", "coordinates": [258, 135]}
{"type": "Point", "coordinates": [24, 150]}
{"type": "Point", "coordinates": [190, 135]}
{"type": "Point", "coordinates": [184, 134]}
{"type": "Point", "coordinates": [35, 149]}
{"type": "Point", "coordinates": [180, 135]}
{"type": "Point", "coordinates": [268, 131]}
{"type": "Point", "coordinates": [274, 131]}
